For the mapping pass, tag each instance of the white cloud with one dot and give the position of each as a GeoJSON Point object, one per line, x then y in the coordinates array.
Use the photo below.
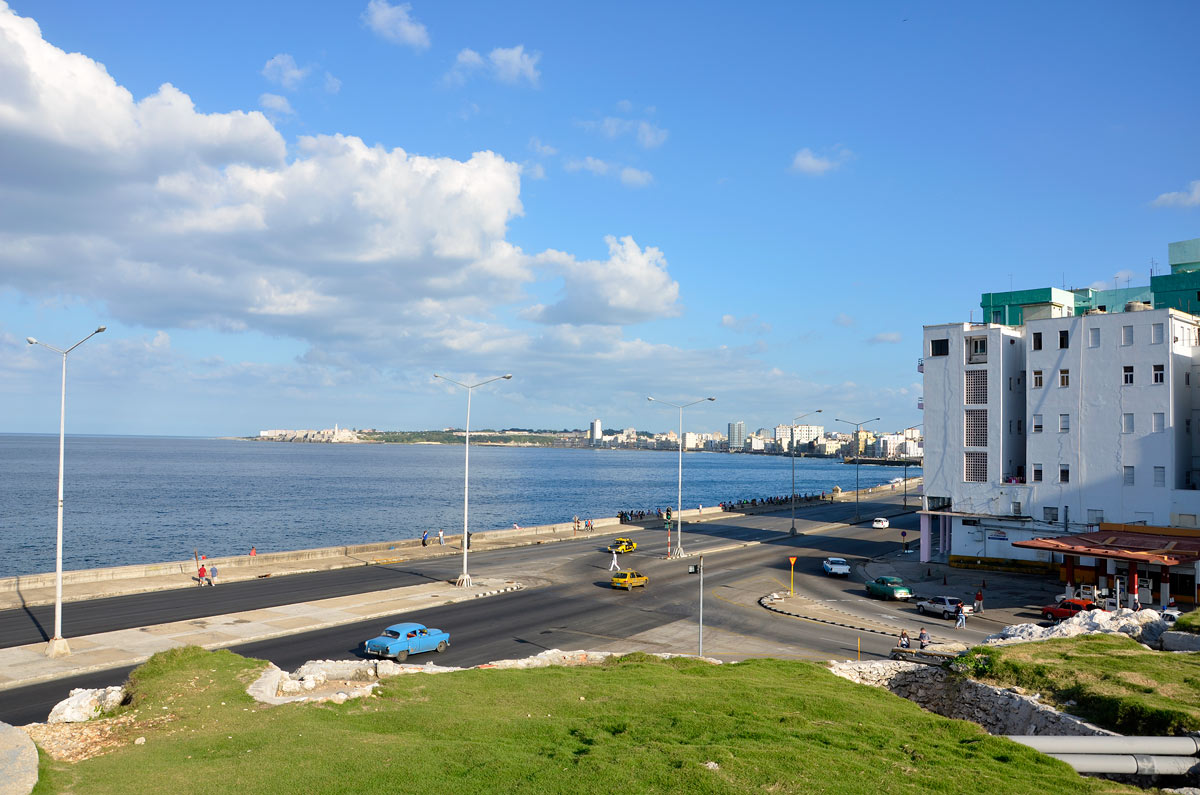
{"type": "Point", "coordinates": [506, 65]}
{"type": "Point", "coordinates": [843, 320]}
{"type": "Point", "coordinates": [589, 163]}
{"type": "Point", "coordinates": [332, 84]}
{"type": "Point", "coordinates": [276, 104]}
{"type": "Point", "coordinates": [625, 106]}
{"type": "Point", "coordinates": [282, 69]}
{"type": "Point", "coordinates": [630, 286]}
{"type": "Point", "coordinates": [748, 323]}
{"type": "Point", "coordinates": [533, 170]}
{"type": "Point", "coordinates": [545, 150]}
{"type": "Point", "coordinates": [395, 23]}
{"type": "Point", "coordinates": [647, 135]}
{"type": "Point", "coordinates": [808, 162]}
{"type": "Point", "coordinates": [885, 337]}
{"type": "Point", "coordinates": [1185, 198]}
{"type": "Point", "coordinates": [635, 178]}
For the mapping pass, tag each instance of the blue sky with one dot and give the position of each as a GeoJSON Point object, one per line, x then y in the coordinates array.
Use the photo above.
{"type": "Point", "coordinates": [293, 215]}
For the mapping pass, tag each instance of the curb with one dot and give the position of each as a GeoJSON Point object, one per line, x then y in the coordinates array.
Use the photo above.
{"type": "Point", "coordinates": [771, 597]}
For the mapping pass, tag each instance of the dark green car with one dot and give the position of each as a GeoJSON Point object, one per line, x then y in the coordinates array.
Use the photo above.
{"type": "Point", "coordinates": [888, 588]}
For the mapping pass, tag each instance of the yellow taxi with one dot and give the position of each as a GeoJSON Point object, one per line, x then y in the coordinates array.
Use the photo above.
{"type": "Point", "coordinates": [622, 545]}
{"type": "Point", "coordinates": [629, 579]}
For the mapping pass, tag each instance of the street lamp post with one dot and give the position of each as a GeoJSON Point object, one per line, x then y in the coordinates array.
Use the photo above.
{"type": "Point", "coordinates": [58, 644]}
{"type": "Point", "coordinates": [677, 552]}
{"type": "Point", "coordinates": [857, 458]}
{"type": "Point", "coordinates": [464, 579]}
{"type": "Point", "coordinates": [793, 440]}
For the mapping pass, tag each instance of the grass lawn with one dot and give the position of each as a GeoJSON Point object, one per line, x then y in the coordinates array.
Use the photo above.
{"type": "Point", "coordinates": [1113, 681]}
{"type": "Point", "coordinates": [1188, 622]}
{"type": "Point", "coordinates": [636, 724]}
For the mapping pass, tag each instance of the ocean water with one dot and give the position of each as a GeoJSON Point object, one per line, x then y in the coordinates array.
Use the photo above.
{"type": "Point", "coordinates": [147, 499]}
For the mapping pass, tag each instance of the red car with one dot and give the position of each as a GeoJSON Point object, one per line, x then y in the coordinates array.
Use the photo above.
{"type": "Point", "coordinates": [1065, 608]}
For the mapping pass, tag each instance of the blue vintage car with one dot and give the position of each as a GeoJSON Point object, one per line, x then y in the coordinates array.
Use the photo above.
{"type": "Point", "coordinates": [400, 640]}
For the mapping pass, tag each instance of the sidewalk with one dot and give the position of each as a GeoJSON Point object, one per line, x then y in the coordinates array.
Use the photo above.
{"type": "Point", "coordinates": [26, 665]}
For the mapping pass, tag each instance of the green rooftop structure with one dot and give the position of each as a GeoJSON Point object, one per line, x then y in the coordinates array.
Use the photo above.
{"type": "Point", "coordinates": [1180, 289]}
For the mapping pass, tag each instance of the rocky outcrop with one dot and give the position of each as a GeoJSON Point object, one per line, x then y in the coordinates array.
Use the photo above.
{"type": "Point", "coordinates": [18, 761]}
{"type": "Point", "coordinates": [1144, 626]}
{"type": "Point", "coordinates": [85, 704]}
{"type": "Point", "coordinates": [998, 710]}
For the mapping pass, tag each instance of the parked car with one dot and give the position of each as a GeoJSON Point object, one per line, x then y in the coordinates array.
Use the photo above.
{"type": "Point", "coordinates": [888, 588]}
{"type": "Point", "coordinates": [880, 523]}
{"type": "Point", "coordinates": [1065, 608]}
{"type": "Point", "coordinates": [622, 545]}
{"type": "Point", "coordinates": [944, 606]}
{"type": "Point", "coordinates": [629, 579]}
{"type": "Point", "coordinates": [400, 640]}
{"type": "Point", "coordinates": [837, 567]}
{"type": "Point", "coordinates": [1171, 615]}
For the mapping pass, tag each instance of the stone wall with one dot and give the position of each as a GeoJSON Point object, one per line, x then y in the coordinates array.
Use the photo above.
{"type": "Point", "coordinates": [997, 710]}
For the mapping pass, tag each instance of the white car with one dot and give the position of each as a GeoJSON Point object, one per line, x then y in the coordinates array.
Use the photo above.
{"type": "Point", "coordinates": [944, 606]}
{"type": "Point", "coordinates": [836, 567]}
{"type": "Point", "coordinates": [880, 523]}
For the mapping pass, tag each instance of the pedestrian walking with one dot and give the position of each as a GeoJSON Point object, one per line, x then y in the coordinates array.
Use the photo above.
{"type": "Point", "coordinates": [253, 552]}
{"type": "Point", "coordinates": [212, 574]}
{"type": "Point", "coordinates": [923, 638]}
{"type": "Point", "coordinates": [979, 601]}
{"type": "Point", "coordinates": [441, 538]}
{"type": "Point", "coordinates": [425, 538]}
{"type": "Point", "coordinates": [614, 566]}
{"type": "Point", "coordinates": [202, 574]}
{"type": "Point", "coordinates": [590, 526]}
{"type": "Point", "coordinates": [960, 617]}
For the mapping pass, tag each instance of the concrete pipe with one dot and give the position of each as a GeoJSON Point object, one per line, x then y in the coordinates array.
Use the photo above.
{"type": "Point", "coordinates": [1112, 744]}
{"type": "Point", "coordinates": [1130, 764]}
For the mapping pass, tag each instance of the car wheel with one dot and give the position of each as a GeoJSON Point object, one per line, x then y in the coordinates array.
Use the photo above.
{"type": "Point", "coordinates": [1048, 616]}
{"type": "Point", "coordinates": [441, 647]}
{"type": "Point", "coordinates": [402, 655]}
{"type": "Point", "coordinates": [921, 609]}
{"type": "Point", "coordinates": [945, 616]}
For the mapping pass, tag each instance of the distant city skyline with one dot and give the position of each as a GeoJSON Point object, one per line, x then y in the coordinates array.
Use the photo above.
{"type": "Point", "coordinates": [352, 197]}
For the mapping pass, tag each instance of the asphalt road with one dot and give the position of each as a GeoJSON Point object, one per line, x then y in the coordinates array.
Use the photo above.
{"type": "Point", "coordinates": [573, 608]}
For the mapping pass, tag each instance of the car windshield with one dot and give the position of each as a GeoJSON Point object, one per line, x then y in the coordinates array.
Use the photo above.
{"type": "Point", "coordinates": [391, 633]}
{"type": "Point", "coordinates": [837, 562]}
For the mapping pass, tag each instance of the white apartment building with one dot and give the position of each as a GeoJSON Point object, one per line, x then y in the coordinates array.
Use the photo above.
{"type": "Point", "coordinates": [788, 435]}
{"type": "Point", "coordinates": [1053, 427]}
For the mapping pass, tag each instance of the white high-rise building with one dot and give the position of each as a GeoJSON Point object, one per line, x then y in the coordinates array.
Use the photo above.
{"type": "Point", "coordinates": [597, 435]}
{"type": "Point", "coordinates": [737, 435]}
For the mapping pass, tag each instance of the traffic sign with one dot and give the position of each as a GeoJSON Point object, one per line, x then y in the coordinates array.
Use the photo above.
{"type": "Point", "coordinates": [903, 533]}
{"type": "Point", "coordinates": [792, 560]}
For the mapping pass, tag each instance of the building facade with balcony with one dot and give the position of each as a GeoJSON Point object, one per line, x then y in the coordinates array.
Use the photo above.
{"type": "Point", "coordinates": [1070, 415]}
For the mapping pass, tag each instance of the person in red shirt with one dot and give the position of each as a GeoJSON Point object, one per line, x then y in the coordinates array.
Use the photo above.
{"type": "Point", "coordinates": [201, 575]}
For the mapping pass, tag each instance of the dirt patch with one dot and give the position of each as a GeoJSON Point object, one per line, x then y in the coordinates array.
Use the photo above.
{"type": "Point", "coordinates": [75, 742]}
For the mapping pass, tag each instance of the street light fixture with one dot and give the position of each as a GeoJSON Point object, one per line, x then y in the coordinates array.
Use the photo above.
{"type": "Point", "coordinates": [58, 646]}
{"type": "Point", "coordinates": [857, 457]}
{"type": "Point", "coordinates": [793, 440]}
{"type": "Point", "coordinates": [677, 552]}
{"type": "Point", "coordinates": [464, 579]}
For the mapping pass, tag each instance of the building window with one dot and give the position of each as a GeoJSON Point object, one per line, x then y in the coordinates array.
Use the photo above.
{"type": "Point", "coordinates": [939, 347]}
{"type": "Point", "coordinates": [1094, 337]}
{"type": "Point", "coordinates": [997, 316]}
{"type": "Point", "coordinates": [1037, 473]}
{"type": "Point", "coordinates": [1037, 379]}
{"type": "Point", "coordinates": [1127, 374]}
{"type": "Point", "coordinates": [1037, 340]}
{"type": "Point", "coordinates": [1016, 509]}
{"type": "Point", "coordinates": [1126, 423]}
{"type": "Point", "coordinates": [1064, 377]}
{"type": "Point", "coordinates": [1126, 335]}
{"type": "Point", "coordinates": [1020, 430]}
{"type": "Point", "coordinates": [1158, 421]}
{"type": "Point", "coordinates": [1159, 374]}
{"type": "Point", "coordinates": [975, 387]}
{"type": "Point", "coordinates": [975, 428]}
{"type": "Point", "coordinates": [1127, 475]}
{"type": "Point", "coordinates": [1095, 516]}
{"type": "Point", "coordinates": [1160, 476]}
{"type": "Point", "coordinates": [1037, 423]}
{"type": "Point", "coordinates": [976, 350]}
{"type": "Point", "coordinates": [975, 467]}
{"type": "Point", "coordinates": [1156, 334]}
{"type": "Point", "coordinates": [1064, 473]}
{"type": "Point", "coordinates": [1064, 423]}
{"type": "Point", "coordinates": [1064, 339]}
{"type": "Point", "coordinates": [1050, 514]}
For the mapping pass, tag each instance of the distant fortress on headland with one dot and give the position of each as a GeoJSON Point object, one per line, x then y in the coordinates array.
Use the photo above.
{"type": "Point", "coordinates": [328, 435]}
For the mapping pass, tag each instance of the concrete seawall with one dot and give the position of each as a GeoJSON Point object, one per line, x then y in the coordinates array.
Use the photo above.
{"type": "Point", "coordinates": [375, 552]}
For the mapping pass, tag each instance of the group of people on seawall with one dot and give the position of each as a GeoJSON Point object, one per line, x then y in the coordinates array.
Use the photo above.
{"type": "Point", "coordinates": [786, 499]}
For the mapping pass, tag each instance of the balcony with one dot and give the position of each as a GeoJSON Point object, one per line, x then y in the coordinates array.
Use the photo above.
{"type": "Point", "coordinates": [920, 365]}
{"type": "Point", "coordinates": [921, 403]}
